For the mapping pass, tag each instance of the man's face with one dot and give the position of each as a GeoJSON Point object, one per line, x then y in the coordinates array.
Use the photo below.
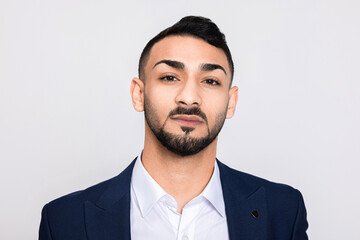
{"type": "Point", "coordinates": [186, 93]}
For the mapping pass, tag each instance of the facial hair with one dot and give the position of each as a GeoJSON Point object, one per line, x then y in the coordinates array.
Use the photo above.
{"type": "Point", "coordinates": [182, 144]}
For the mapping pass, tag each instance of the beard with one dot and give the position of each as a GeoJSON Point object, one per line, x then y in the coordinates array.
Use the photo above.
{"type": "Point", "coordinates": [182, 144]}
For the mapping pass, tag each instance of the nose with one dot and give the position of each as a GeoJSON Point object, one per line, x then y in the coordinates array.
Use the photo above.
{"type": "Point", "coordinates": [189, 94]}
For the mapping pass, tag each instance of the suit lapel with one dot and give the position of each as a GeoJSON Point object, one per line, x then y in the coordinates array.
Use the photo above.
{"type": "Point", "coordinates": [245, 205]}
{"type": "Point", "coordinates": [111, 224]}
{"type": "Point", "coordinates": [109, 218]}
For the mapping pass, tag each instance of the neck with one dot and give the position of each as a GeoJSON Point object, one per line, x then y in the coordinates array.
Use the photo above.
{"type": "Point", "coordinates": [183, 177]}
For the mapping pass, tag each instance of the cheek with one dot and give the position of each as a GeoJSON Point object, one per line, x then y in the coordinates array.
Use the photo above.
{"type": "Point", "coordinates": [215, 106]}
{"type": "Point", "coordinates": [161, 101]}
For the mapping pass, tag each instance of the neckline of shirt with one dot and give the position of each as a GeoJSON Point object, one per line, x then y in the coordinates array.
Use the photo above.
{"type": "Point", "coordinates": [148, 192]}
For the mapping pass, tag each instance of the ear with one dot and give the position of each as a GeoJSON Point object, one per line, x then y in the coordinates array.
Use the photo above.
{"type": "Point", "coordinates": [137, 94]}
{"type": "Point", "coordinates": [233, 97]}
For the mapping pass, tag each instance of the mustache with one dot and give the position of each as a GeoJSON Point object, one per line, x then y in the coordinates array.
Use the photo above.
{"type": "Point", "coordinates": [188, 111]}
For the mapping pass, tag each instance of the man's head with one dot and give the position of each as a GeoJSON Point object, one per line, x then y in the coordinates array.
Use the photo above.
{"type": "Point", "coordinates": [197, 27]}
{"type": "Point", "coordinates": [185, 86]}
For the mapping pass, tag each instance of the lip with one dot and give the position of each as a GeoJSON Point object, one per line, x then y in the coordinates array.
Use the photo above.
{"type": "Point", "coordinates": [187, 120]}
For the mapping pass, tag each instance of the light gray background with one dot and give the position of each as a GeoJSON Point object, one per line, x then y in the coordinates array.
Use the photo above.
{"type": "Point", "coordinates": [67, 122]}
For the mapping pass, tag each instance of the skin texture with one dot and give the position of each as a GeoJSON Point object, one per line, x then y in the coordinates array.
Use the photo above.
{"type": "Point", "coordinates": [184, 73]}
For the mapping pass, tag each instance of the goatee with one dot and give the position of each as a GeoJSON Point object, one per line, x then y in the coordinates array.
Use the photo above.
{"type": "Point", "coordinates": [182, 144]}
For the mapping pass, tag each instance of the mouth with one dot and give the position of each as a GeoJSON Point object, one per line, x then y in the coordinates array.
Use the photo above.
{"type": "Point", "coordinates": [187, 120]}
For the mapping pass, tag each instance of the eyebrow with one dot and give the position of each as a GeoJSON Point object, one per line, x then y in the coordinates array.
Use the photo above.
{"type": "Point", "coordinates": [211, 67]}
{"type": "Point", "coordinates": [179, 65]}
{"type": "Point", "coordinates": [171, 63]}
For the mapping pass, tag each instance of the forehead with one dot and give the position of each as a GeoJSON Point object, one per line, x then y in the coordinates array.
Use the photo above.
{"type": "Point", "coordinates": [186, 49]}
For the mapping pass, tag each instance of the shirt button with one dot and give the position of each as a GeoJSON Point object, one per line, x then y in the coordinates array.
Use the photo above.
{"type": "Point", "coordinates": [185, 237]}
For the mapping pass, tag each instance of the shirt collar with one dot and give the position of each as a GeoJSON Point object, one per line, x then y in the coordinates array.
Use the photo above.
{"type": "Point", "coordinates": [148, 191]}
{"type": "Point", "coordinates": [213, 191]}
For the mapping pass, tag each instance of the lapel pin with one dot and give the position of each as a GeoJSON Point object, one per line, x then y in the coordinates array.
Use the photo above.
{"type": "Point", "coordinates": [255, 213]}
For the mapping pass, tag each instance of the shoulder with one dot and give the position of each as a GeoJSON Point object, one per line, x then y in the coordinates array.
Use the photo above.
{"type": "Point", "coordinates": [72, 204]}
{"type": "Point", "coordinates": [65, 217]}
{"type": "Point", "coordinates": [277, 194]}
{"type": "Point", "coordinates": [284, 205]}
{"type": "Point", "coordinates": [73, 199]}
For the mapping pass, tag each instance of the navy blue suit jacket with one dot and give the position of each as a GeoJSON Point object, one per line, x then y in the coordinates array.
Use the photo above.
{"type": "Point", "coordinates": [256, 209]}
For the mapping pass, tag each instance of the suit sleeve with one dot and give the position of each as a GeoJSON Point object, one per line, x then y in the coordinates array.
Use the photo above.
{"type": "Point", "coordinates": [301, 224]}
{"type": "Point", "coordinates": [44, 230]}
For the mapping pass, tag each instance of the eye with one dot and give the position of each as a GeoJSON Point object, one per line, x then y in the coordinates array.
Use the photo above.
{"type": "Point", "coordinates": [168, 78]}
{"type": "Point", "coordinates": [211, 82]}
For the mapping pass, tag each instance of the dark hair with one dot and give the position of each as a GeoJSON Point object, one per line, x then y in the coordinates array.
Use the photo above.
{"type": "Point", "coordinates": [195, 26]}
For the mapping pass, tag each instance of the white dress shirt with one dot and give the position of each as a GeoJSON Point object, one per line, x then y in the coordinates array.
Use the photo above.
{"type": "Point", "coordinates": [153, 214]}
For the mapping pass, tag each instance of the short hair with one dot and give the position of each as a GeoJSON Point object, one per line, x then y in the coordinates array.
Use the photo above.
{"type": "Point", "coordinates": [195, 26]}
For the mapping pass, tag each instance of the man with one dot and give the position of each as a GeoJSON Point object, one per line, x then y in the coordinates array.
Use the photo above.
{"type": "Point", "coordinates": [176, 189]}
